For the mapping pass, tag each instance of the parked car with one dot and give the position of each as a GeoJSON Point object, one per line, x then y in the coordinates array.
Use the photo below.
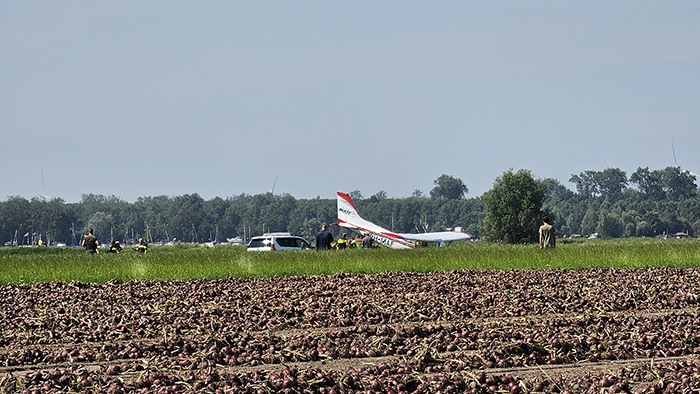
{"type": "Point", "coordinates": [277, 241]}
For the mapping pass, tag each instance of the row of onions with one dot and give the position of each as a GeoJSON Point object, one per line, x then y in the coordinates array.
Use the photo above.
{"type": "Point", "coordinates": [396, 377]}
{"type": "Point", "coordinates": [439, 347]}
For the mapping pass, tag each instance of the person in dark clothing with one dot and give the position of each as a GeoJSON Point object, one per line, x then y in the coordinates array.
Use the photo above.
{"type": "Point", "coordinates": [90, 243]}
{"type": "Point", "coordinates": [367, 242]}
{"type": "Point", "coordinates": [324, 238]}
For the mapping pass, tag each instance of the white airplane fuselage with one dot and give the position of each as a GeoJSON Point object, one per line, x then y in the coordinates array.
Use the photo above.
{"type": "Point", "coordinates": [349, 218]}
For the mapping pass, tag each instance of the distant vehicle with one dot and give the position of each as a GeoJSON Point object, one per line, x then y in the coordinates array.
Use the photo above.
{"type": "Point", "coordinates": [235, 241]}
{"type": "Point", "coordinates": [277, 241]}
{"type": "Point", "coordinates": [350, 219]}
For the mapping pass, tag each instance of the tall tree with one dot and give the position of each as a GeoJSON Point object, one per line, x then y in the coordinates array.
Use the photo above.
{"type": "Point", "coordinates": [679, 184]}
{"type": "Point", "coordinates": [589, 222]}
{"type": "Point", "coordinates": [649, 183]}
{"type": "Point", "coordinates": [607, 183]}
{"type": "Point", "coordinates": [378, 196]}
{"type": "Point", "coordinates": [610, 225]}
{"type": "Point", "coordinates": [356, 195]}
{"type": "Point", "coordinates": [611, 182]}
{"type": "Point", "coordinates": [586, 184]}
{"type": "Point", "coordinates": [514, 208]}
{"type": "Point", "coordinates": [102, 224]}
{"type": "Point", "coordinates": [448, 187]}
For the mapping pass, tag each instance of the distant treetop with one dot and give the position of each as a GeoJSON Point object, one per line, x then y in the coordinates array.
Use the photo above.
{"type": "Point", "coordinates": [449, 188]}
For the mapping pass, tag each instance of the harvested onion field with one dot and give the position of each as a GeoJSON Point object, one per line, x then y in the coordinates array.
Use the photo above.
{"type": "Point", "coordinates": [597, 330]}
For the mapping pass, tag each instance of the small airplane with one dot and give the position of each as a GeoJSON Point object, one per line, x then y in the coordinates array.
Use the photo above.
{"type": "Point", "coordinates": [350, 219]}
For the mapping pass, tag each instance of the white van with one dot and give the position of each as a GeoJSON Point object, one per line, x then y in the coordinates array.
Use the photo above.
{"type": "Point", "coordinates": [277, 241]}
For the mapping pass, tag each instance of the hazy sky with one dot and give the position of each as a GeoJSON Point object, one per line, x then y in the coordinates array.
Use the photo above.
{"type": "Point", "coordinates": [146, 98]}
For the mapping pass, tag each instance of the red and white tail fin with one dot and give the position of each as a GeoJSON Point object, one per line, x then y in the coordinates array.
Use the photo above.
{"type": "Point", "coordinates": [347, 214]}
{"type": "Point", "coordinates": [349, 218]}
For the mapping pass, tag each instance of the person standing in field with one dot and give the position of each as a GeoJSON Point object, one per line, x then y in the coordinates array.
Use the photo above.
{"type": "Point", "coordinates": [547, 237]}
{"type": "Point", "coordinates": [358, 241]}
{"type": "Point", "coordinates": [115, 247]}
{"type": "Point", "coordinates": [90, 242]}
{"type": "Point", "coordinates": [367, 242]}
{"type": "Point", "coordinates": [324, 238]}
{"type": "Point", "coordinates": [342, 242]}
{"type": "Point", "coordinates": [142, 247]}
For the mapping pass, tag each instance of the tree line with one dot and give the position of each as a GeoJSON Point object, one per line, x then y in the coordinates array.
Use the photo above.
{"type": "Point", "coordinates": [647, 204]}
{"type": "Point", "coordinates": [190, 218]}
{"type": "Point", "coordinates": [607, 202]}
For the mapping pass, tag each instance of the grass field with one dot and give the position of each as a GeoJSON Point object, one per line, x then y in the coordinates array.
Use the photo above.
{"type": "Point", "coordinates": [183, 262]}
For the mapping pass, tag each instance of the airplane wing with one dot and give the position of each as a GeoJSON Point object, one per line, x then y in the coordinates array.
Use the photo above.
{"type": "Point", "coordinates": [445, 236]}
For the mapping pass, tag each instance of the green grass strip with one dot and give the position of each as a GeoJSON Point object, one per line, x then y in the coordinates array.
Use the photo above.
{"type": "Point", "coordinates": [184, 262]}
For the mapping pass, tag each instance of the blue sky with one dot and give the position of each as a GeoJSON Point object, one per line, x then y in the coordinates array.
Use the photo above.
{"type": "Point", "coordinates": [151, 98]}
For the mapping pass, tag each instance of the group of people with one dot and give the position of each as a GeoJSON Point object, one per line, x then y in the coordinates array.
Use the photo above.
{"type": "Point", "coordinates": [90, 243]}
{"type": "Point", "coordinates": [325, 241]}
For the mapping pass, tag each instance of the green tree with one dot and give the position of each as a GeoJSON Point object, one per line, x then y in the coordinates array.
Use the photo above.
{"type": "Point", "coordinates": [679, 184]}
{"type": "Point", "coordinates": [54, 222]}
{"type": "Point", "coordinates": [644, 230]}
{"type": "Point", "coordinates": [308, 229]}
{"type": "Point", "coordinates": [378, 196]}
{"type": "Point", "coordinates": [101, 223]}
{"type": "Point", "coordinates": [449, 188]}
{"type": "Point", "coordinates": [586, 184]}
{"type": "Point", "coordinates": [696, 227]}
{"type": "Point", "coordinates": [589, 222]}
{"type": "Point", "coordinates": [649, 183]}
{"type": "Point", "coordinates": [611, 182]}
{"type": "Point", "coordinates": [514, 208]}
{"type": "Point", "coordinates": [187, 217]}
{"type": "Point", "coordinates": [607, 183]}
{"type": "Point", "coordinates": [356, 195]}
{"type": "Point", "coordinates": [610, 226]}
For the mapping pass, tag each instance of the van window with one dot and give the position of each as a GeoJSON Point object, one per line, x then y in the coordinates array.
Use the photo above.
{"type": "Point", "coordinates": [287, 242]}
{"type": "Point", "coordinates": [259, 243]}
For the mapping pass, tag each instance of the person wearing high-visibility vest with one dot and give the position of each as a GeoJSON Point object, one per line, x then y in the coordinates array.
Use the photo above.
{"type": "Point", "coordinates": [342, 243]}
{"type": "Point", "coordinates": [114, 247]}
{"type": "Point", "coordinates": [142, 247]}
{"type": "Point", "coordinates": [355, 243]}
